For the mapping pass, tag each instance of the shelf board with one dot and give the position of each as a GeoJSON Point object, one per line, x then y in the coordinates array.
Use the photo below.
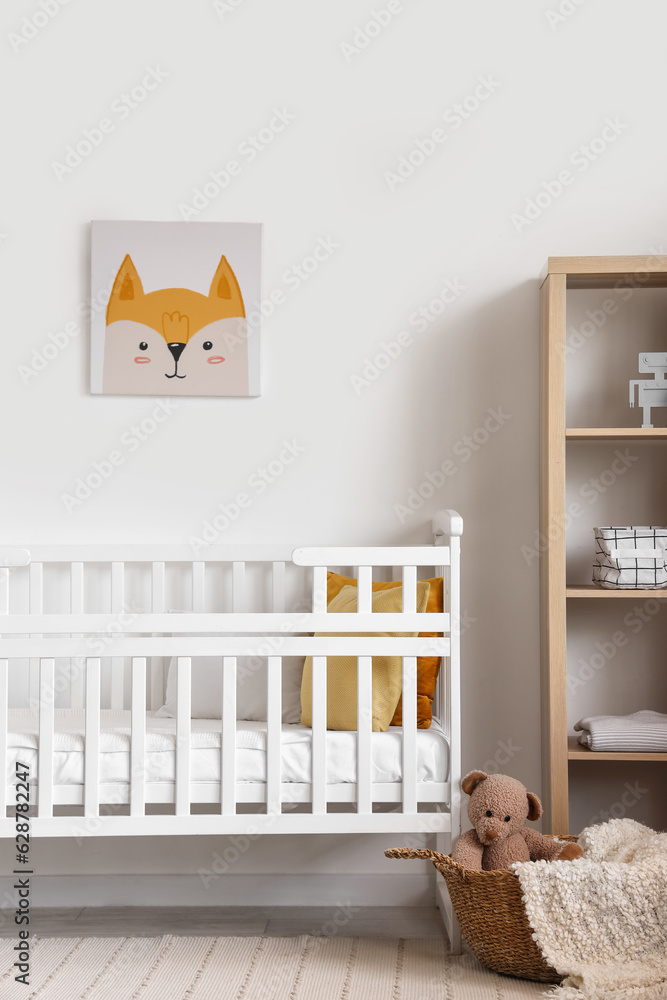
{"type": "Point", "coordinates": [612, 433]}
{"type": "Point", "coordinates": [590, 590]}
{"type": "Point", "coordinates": [648, 271]}
{"type": "Point", "coordinates": [577, 752]}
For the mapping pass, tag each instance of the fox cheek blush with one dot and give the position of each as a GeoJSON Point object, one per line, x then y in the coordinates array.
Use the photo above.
{"type": "Point", "coordinates": [217, 359]}
{"type": "Point", "coordinates": [142, 361]}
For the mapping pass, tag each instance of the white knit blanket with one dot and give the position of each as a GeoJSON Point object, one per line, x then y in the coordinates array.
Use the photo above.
{"type": "Point", "coordinates": [601, 921]}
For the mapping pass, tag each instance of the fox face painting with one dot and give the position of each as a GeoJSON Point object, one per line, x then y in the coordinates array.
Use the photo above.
{"type": "Point", "coordinates": [175, 341]}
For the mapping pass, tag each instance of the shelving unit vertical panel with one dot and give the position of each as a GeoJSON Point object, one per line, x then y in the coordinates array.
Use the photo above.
{"type": "Point", "coordinates": [552, 562]}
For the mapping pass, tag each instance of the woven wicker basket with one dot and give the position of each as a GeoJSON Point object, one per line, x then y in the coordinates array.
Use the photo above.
{"type": "Point", "coordinates": [490, 910]}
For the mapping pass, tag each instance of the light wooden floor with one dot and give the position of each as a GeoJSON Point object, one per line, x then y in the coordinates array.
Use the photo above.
{"type": "Point", "coordinates": [191, 921]}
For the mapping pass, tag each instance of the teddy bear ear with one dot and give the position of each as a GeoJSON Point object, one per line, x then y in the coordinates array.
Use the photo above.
{"type": "Point", "coordinates": [472, 780]}
{"type": "Point", "coordinates": [534, 806]}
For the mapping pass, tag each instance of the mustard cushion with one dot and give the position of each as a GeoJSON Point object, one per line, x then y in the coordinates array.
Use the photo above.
{"type": "Point", "coordinates": [428, 667]}
{"type": "Point", "coordinates": [342, 670]}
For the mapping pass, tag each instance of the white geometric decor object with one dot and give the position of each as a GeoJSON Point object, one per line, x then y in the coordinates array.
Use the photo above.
{"type": "Point", "coordinates": [652, 392]}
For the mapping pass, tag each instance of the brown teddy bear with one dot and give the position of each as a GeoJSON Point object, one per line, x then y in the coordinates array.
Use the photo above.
{"type": "Point", "coordinates": [498, 808]}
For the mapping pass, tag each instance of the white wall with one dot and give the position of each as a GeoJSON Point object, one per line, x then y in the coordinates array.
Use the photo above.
{"type": "Point", "coordinates": [550, 87]}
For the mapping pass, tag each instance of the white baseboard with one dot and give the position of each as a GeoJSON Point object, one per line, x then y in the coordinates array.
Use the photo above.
{"type": "Point", "coordinates": [227, 890]}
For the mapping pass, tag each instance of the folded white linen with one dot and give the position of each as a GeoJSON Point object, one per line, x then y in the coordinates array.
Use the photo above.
{"type": "Point", "coordinates": [641, 732]}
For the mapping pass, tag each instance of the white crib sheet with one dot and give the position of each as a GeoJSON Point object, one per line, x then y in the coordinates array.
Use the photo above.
{"type": "Point", "coordinates": [205, 740]}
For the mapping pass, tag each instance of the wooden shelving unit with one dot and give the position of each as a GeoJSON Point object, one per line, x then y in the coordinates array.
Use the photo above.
{"type": "Point", "coordinates": [561, 274]}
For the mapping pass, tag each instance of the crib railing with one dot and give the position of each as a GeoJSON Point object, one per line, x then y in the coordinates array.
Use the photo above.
{"type": "Point", "coordinates": [41, 639]}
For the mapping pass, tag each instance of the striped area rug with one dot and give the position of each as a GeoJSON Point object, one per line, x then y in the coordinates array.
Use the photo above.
{"type": "Point", "coordinates": [260, 968]}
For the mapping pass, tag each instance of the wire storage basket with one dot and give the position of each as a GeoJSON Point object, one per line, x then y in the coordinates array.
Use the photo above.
{"type": "Point", "coordinates": [489, 908]}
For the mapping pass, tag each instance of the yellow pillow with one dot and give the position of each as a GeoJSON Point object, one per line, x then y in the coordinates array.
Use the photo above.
{"type": "Point", "coordinates": [342, 670]}
{"type": "Point", "coordinates": [428, 667]}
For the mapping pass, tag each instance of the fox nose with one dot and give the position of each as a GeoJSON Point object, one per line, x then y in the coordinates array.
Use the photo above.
{"type": "Point", "coordinates": [176, 350]}
{"type": "Point", "coordinates": [491, 835]}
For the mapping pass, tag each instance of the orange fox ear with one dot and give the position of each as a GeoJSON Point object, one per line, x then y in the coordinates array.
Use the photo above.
{"type": "Point", "coordinates": [225, 289]}
{"type": "Point", "coordinates": [126, 288]}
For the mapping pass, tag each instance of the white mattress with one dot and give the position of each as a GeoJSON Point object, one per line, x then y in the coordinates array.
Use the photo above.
{"type": "Point", "coordinates": [205, 741]}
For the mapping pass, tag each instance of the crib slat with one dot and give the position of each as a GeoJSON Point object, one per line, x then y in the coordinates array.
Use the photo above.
{"type": "Point", "coordinates": [157, 662]}
{"type": "Point", "coordinates": [92, 747]}
{"type": "Point", "coordinates": [198, 584]}
{"type": "Point", "coordinates": [228, 740]}
{"type": "Point", "coordinates": [319, 724]}
{"type": "Point", "coordinates": [273, 734]}
{"type": "Point", "coordinates": [138, 744]}
{"type": "Point", "coordinates": [183, 735]}
{"type": "Point", "coordinates": [4, 708]}
{"type": "Point", "coordinates": [365, 589]}
{"type": "Point", "coordinates": [117, 606]}
{"type": "Point", "coordinates": [364, 688]}
{"type": "Point", "coordinates": [364, 732]}
{"type": "Point", "coordinates": [451, 703]}
{"type": "Point", "coordinates": [47, 677]}
{"type": "Point", "coordinates": [409, 589]}
{"type": "Point", "coordinates": [238, 586]}
{"type": "Point", "coordinates": [77, 664]}
{"type": "Point", "coordinates": [278, 586]}
{"type": "Point", "coordinates": [36, 604]}
{"type": "Point", "coordinates": [409, 712]}
{"type": "Point", "coordinates": [319, 589]}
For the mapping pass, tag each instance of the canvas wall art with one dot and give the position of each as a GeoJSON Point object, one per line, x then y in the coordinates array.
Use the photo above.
{"type": "Point", "coordinates": [178, 314]}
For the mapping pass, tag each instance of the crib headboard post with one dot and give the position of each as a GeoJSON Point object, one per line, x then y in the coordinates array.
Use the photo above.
{"type": "Point", "coordinates": [447, 530]}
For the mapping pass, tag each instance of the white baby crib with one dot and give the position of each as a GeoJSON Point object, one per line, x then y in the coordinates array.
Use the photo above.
{"type": "Point", "coordinates": [89, 636]}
